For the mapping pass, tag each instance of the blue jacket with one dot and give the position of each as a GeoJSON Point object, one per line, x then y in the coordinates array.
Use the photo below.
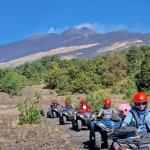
{"type": "Point", "coordinates": [142, 121]}
{"type": "Point", "coordinates": [68, 107]}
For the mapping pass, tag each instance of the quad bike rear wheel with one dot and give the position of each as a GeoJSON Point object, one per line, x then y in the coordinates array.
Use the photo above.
{"type": "Point", "coordinates": [60, 120]}
{"type": "Point", "coordinates": [49, 114]}
{"type": "Point", "coordinates": [74, 124]}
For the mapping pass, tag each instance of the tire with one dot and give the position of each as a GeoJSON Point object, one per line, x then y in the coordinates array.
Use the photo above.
{"type": "Point", "coordinates": [48, 114]}
{"type": "Point", "coordinates": [89, 127]}
{"type": "Point", "coordinates": [64, 119]}
{"type": "Point", "coordinates": [61, 120]}
{"type": "Point", "coordinates": [74, 125]}
{"type": "Point", "coordinates": [98, 141]}
{"type": "Point", "coordinates": [91, 138]}
{"type": "Point", "coordinates": [54, 114]}
{"type": "Point", "coordinates": [79, 125]}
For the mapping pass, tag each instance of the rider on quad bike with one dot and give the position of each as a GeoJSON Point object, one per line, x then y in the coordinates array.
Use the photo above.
{"type": "Point", "coordinates": [134, 132]}
{"type": "Point", "coordinates": [67, 113]}
{"type": "Point", "coordinates": [84, 106]}
{"type": "Point", "coordinates": [54, 104]}
{"type": "Point", "coordinates": [68, 106]}
{"type": "Point", "coordinates": [107, 111]}
{"type": "Point", "coordinates": [54, 109]}
{"type": "Point", "coordinates": [139, 115]}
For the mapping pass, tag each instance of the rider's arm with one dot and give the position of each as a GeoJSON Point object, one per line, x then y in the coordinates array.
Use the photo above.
{"type": "Point", "coordinates": [100, 113]}
{"type": "Point", "coordinates": [114, 111]}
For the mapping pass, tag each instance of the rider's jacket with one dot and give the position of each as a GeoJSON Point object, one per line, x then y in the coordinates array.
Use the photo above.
{"type": "Point", "coordinates": [68, 107]}
{"type": "Point", "coordinates": [85, 108]}
{"type": "Point", "coordinates": [138, 119]}
{"type": "Point", "coordinates": [54, 105]}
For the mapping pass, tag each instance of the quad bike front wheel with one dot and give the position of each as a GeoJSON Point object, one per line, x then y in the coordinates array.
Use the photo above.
{"type": "Point", "coordinates": [91, 138]}
{"type": "Point", "coordinates": [54, 114]}
{"type": "Point", "coordinates": [98, 141]}
{"type": "Point", "coordinates": [64, 119]}
{"type": "Point", "coordinates": [79, 125]}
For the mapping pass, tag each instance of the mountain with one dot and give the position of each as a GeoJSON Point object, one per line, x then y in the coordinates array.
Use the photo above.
{"type": "Point", "coordinates": [81, 43]}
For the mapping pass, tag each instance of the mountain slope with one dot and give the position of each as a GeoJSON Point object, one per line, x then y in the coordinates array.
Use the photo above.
{"type": "Point", "coordinates": [82, 43]}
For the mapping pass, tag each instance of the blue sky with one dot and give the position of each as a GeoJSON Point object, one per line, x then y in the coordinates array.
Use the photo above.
{"type": "Point", "coordinates": [22, 18]}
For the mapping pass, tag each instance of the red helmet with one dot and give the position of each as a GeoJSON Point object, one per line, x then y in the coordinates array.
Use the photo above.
{"type": "Point", "coordinates": [67, 102]}
{"type": "Point", "coordinates": [107, 101]}
{"type": "Point", "coordinates": [34, 101]}
{"type": "Point", "coordinates": [83, 101]}
{"type": "Point", "coordinates": [140, 97]}
{"type": "Point", "coordinates": [54, 101]}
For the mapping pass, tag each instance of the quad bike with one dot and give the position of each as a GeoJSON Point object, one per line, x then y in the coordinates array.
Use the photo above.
{"type": "Point", "coordinates": [54, 112]}
{"type": "Point", "coordinates": [81, 119]}
{"type": "Point", "coordinates": [101, 131]}
{"type": "Point", "coordinates": [121, 140]}
{"type": "Point", "coordinates": [66, 115]}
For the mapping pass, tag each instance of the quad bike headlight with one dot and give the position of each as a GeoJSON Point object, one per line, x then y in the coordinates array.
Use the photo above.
{"type": "Point", "coordinates": [81, 116]}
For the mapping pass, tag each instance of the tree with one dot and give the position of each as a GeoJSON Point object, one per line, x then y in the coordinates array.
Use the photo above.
{"type": "Point", "coordinates": [11, 83]}
{"type": "Point", "coordinates": [113, 69]}
{"type": "Point", "coordinates": [82, 84]}
{"type": "Point", "coordinates": [63, 84]}
{"type": "Point", "coordinates": [108, 79]}
{"type": "Point", "coordinates": [134, 54]}
{"type": "Point", "coordinates": [53, 75]}
{"type": "Point", "coordinates": [96, 100]}
{"type": "Point", "coordinates": [143, 77]}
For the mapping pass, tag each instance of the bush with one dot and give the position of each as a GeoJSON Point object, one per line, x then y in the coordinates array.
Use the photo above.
{"type": "Point", "coordinates": [11, 83]}
{"type": "Point", "coordinates": [96, 100]}
{"type": "Point", "coordinates": [29, 112]}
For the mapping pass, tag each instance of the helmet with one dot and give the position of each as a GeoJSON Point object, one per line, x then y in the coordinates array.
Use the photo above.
{"type": "Point", "coordinates": [34, 102]}
{"type": "Point", "coordinates": [67, 102]}
{"type": "Point", "coordinates": [140, 97]}
{"type": "Point", "coordinates": [124, 108]}
{"type": "Point", "coordinates": [55, 101]}
{"type": "Point", "coordinates": [107, 101]}
{"type": "Point", "coordinates": [83, 101]}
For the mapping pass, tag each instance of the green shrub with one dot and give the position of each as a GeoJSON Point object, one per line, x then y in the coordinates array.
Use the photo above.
{"type": "Point", "coordinates": [29, 112]}
{"type": "Point", "coordinates": [96, 100]}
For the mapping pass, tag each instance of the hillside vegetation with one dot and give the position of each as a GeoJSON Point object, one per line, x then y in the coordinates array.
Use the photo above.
{"type": "Point", "coordinates": [122, 72]}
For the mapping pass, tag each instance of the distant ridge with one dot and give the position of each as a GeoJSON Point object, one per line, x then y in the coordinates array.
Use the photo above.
{"type": "Point", "coordinates": [78, 39]}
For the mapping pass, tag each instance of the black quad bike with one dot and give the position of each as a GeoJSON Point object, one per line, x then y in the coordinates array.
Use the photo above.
{"type": "Point", "coordinates": [81, 119]}
{"type": "Point", "coordinates": [66, 115]}
{"type": "Point", "coordinates": [136, 141]}
{"type": "Point", "coordinates": [54, 112]}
